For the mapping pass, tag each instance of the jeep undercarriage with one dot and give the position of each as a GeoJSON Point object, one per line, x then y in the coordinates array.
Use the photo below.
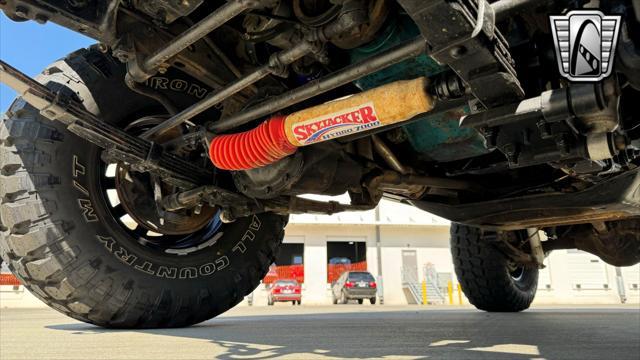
{"type": "Point", "coordinates": [455, 107]}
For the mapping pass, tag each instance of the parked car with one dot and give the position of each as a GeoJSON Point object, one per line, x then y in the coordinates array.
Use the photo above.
{"type": "Point", "coordinates": [285, 290]}
{"type": "Point", "coordinates": [354, 285]}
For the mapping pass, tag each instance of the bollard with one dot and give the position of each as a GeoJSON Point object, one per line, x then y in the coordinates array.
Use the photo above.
{"type": "Point", "coordinates": [424, 293]}
{"type": "Point", "coordinates": [450, 291]}
{"type": "Point", "coordinates": [459, 294]}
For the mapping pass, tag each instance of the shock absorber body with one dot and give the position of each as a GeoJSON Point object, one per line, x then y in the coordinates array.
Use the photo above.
{"type": "Point", "coordinates": [280, 136]}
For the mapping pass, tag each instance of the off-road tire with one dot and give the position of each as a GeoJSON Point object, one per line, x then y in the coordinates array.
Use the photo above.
{"type": "Point", "coordinates": [372, 301]}
{"type": "Point", "coordinates": [57, 239]}
{"type": "Point", "coordinates": [483, 272]}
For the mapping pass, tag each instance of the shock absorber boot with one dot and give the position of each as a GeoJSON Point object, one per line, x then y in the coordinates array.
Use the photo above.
{"type": "Point", "coordinates": [251, 149]}
{"type": "Point", "coordinates": [280, 136]}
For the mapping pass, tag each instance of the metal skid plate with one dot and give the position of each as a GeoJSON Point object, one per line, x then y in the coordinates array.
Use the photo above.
{"type": "Point", "coordinates": [462, 34]}
{"type": "Point", "coordinates": [614, 199]}
{"type": "Point", "coordinates": [438, 137]}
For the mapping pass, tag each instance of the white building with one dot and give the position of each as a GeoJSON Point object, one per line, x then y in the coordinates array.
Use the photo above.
{"type": "Point", "coordinates": [411, 239]}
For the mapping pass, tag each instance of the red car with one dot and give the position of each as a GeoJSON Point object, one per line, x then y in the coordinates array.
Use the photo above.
{"type": "Point", "coordinates": [285, 290]}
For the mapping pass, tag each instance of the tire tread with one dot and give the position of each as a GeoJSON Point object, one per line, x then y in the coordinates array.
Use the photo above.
{"type": "Point", "coordinates": [483, 275]}
{"type": "Point", "coordinates": [34, 244]}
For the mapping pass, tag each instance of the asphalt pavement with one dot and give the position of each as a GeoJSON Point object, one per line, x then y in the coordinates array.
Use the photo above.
{"type": "Point", "coordinates": [348, 331]}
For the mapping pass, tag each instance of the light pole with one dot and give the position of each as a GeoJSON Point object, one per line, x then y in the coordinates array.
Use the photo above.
{"type": "Point", "coordinates": [379, 255]}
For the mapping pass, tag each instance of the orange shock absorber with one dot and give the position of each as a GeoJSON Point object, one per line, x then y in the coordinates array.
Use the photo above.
{"type": "Point", "coordinates": [280, 136]}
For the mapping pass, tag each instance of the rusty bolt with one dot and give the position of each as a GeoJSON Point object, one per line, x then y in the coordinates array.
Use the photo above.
{"type": "Point", "coordinates": [509, 149]}
{"type": "Point", "coordinates": [50, 113]}
{"type": "Point", "coordinates": [562, 144]}
{"type": "Point", "coordinates": [620, 142]}
{"type": "Point", "coordinates": [490, 135]}
{"type": "Point", "coordinates": [226, 217]}
{"type": "Point", "coordinates": [41, 19]}
{"type": "Point", "coordinates": [103, 48]}
{"type": "Point", "coordinates": [22, 12]}
{"type": "Point", "coordinates": [121, 55]}
{"type": "Point", "coordinates": [511, 152]}
{"type": "Point", "coordinates": [458, 52]}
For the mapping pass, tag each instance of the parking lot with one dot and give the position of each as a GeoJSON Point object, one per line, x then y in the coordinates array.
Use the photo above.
{"type": "Point", "coordinates": [351, 331]}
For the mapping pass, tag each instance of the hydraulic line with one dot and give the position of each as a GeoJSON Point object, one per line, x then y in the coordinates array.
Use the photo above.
{"type": "Point", "coordinates": [153, 94]}
{"type": "Point", "coordinates": [389, 157]}
{"type": "Point", "coordinates": [506, 8]}
{"type": "Point", "coordinates": [280, 136]}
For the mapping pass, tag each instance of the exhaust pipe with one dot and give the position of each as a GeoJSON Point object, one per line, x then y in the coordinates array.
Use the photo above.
{"type": "Point", "coordinates": [280, 136]}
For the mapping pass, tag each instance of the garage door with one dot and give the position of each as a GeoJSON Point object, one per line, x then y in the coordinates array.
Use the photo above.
{"type": "Point", "coordinates": [345, 253]}
{"type": "Point", "coordinates": [631, 276]}
{"type": "Point", "coordinates": [544, 277]}
{"type": "Point", "coordinates": [586, 271]}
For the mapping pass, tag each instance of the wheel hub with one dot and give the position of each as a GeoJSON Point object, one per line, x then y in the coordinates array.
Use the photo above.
{"type": "Point", "coordinates": [138, 193]}
{"type": "Point", "coordinates": [516, 272]}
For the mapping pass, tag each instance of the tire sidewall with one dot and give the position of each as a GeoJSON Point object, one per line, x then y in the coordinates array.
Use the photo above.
{"type": "Point", "coordinates": [96, 232]}
{"type": "Point", "coordinates": [88, 266]}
